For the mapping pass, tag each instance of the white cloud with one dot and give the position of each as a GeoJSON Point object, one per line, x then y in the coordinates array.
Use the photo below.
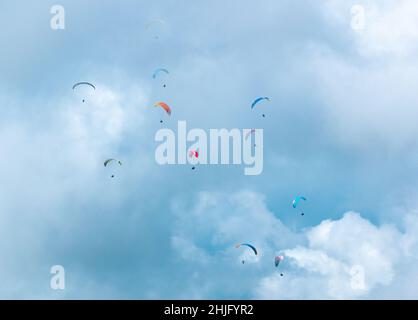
{"type": "Point", "coordinates": [390, 28]}
{"type": "Point", "coordinates": [106, 115]}
{"type": "Point", "coordinates": [55, 194]}
{"type": "Point", "coordinates": [347, 258]}
{"type": "Point", "coordinates": [221, 221]}
{"type": "Point", "coordinates": [344, 259]}
{"type": "Point", "coordinates": [53, 163]}
{"type": "Point", "coordinates": [367, 98]}
{"type": "Point", "coordinates": [371, 106]}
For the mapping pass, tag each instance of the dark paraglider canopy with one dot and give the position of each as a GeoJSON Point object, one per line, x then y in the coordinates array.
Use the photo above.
{"type": "Point", "coordinates": [109, 161]}
{"type": "Point", "coordinates": [83, 83]}
{"type": "Point", "coordinates": [247, 245]}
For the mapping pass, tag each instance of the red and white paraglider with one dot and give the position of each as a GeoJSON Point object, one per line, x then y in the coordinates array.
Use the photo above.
{"type": "Point", "coordinates": [194, 154]}
{"type": "Point", "coordinates": [277, 261]}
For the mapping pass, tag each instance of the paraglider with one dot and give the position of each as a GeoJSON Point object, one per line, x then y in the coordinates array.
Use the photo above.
{"type": "Point", "coordinates": [249, 246]}
{"type": "Point", "coordinates": [84, 83]}
{"type": "Point", "coordinates": [257, 101]}
{"type": "Point", "coordinates": [277, 261]}
{"type": "Point", "coordinates": [296, 201]}
{"type": "Point", "coordinates": [165, 107]}
{"type": "Point", "coordinates": [158, 71]}
{"type": "Point", "coordinates": [109, 161]}
{"type": "Point", "coordinates": [249, 133]}
{"type": "Point", "coordinates": [154, 23]}
{"type": "Point", "coordinates": [194, 154]}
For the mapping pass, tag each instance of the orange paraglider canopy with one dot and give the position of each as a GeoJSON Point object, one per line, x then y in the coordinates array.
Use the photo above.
{"type": "Point", "coordinates": [164, 106]}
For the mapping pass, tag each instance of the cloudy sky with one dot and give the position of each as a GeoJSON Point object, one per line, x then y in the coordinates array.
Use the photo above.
{"type": "Point", "coordinates": [340, 129]}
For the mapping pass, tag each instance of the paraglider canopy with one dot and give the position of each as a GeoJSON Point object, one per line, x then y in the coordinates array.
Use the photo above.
{"type": "Point", "coordinates": [164, 106]}
{"type": "Point", "coordinates": [258, 100]}
{"type": "Point", "coordinates": [296, 201]}
{"type": "Point", "coordinates": [194, 153]}
{"type": "Point", "coordinates": [248, 245]}
{"type": "Point", "coordinates": [154, 22]}
{"type": "Point", "coordinates": [160, 70]}
{"type": "Point", "coordinates": [249, 133]}
{"type": "Point", "coordinates": [84, 83]}
{"type": "Point", "coordinates": [110, 160]}
{"type": "Point", "coordinates": [278, 259]}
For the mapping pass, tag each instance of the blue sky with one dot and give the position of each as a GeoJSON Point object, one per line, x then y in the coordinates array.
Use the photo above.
{"type": "Point", "coordinates": [340, 129]}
